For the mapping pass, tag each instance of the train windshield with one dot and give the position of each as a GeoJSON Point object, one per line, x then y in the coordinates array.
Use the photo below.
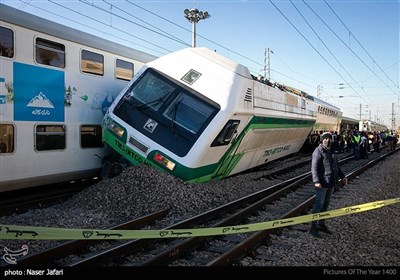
{"type": "Point", "coordinates": [188, 112]}
{"type": "Point", "coordinates": [178, 114]}
{"type": "Point", "coordinates": [150, 91]}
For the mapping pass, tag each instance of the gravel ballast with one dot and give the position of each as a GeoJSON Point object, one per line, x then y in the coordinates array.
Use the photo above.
{"type": "Point", "coordinates": [369, 238]}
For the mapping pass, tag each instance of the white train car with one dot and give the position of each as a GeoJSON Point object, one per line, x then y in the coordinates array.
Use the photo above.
{"type": "Point", "coordinates": [349, 124]}
{"type": "Point", "coordinates": [371, 126]}
{"type": "Point", "coordinates": [55, 85]}
{"type": "Point", "coordinates": [329, 117]}
{"type": "Point", "coordinates": [201, 116]}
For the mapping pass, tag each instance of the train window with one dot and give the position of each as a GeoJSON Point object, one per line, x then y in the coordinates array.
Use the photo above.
{"type": "Point", "coordinates": [6, 138]}
{"type": "Point", "coordinates": [151, 91]}
{"type": "Point", "coordinates": [92, 63]}
{"type": "Point", "coordinates": [91, 136]}
{"type": "Point", "coordinates": [189, 112]}
{"type": "Point", "coordinates": [123, 70]}
{"type": "Point", "coordinates": [50, 137]}
{"type": "Point", "coordinates": [226, 134]}
{"type": "Point", "coordinates": [50, 53]}
{"type": "Point", "coordinates": [6, 42]}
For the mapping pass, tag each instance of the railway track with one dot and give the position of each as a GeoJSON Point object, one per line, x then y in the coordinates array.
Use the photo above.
{"type": "Point", "coordinates": [288, 198]}
{"type": "Point", "coordinates": [42, 196]}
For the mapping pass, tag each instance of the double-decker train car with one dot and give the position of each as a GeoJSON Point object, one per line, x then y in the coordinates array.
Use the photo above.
{"type": "Point", "coordinates": [201, 116]}
{"type": "Point", "coordinates": [55, 85]}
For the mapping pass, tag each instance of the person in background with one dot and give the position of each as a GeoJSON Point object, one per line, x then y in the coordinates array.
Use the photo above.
{"type": "Point", "coordinates": [363, 146]}
{"type": "Point", "coordinates": [325, 172]}
{"type": "Point", "coordinates": [355, 143]}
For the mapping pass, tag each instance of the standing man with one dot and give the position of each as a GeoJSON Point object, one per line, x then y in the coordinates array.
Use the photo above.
{"type": "Point", "coordinates": [325, 172]}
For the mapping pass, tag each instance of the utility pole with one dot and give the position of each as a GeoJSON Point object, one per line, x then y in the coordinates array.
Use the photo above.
{"type": "Point", "coordinates": [267, 64]}
{"type": "Point", "coordinates": [360, 111]}
{"type": "Point", "coordinates": [393, 117]}
{"type": "Point", "coordinates": [319, 89]}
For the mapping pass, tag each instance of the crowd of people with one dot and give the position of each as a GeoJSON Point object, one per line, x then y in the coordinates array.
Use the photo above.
{"type": "Point", "coordinates": [360, 143]}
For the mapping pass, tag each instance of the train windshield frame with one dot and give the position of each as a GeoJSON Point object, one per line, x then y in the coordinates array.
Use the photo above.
{"type": "Point", "coordinates": [181, 114]}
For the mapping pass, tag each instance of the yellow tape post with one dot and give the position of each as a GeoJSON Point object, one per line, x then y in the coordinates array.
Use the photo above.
{"type": "Point", "coordinates": [47, 233]}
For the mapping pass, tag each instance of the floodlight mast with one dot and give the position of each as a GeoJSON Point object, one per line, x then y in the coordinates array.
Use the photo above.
{"type": "Point", "coordinates": [194, 16]}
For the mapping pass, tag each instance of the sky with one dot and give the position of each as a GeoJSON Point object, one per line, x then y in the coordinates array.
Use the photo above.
{"type": "Point", "coordinates": [345, 52]}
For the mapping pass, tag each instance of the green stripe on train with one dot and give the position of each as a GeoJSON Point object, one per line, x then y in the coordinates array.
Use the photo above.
{"type": "Point", "coordinates": [229, 162]}
{"type": "Point", "coordinates": [200, 174]}
{"type": "Point", "coordinates": [219, 170]}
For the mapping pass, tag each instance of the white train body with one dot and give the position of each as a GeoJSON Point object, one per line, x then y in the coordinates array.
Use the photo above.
{"type": "Point", "coordinates": [371, 126]}
{"type": "Point", "coordinates": [200, 116]}
{"type": "Point", "coordinates": [329, 117]}
{"type": "Point", "coordinates": [55, 85]}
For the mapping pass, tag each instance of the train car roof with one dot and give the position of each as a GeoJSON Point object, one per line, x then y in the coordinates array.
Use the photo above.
{"type": "Point", "coordinates": [320, 101]}
{"type": "Point", "coordinates": [350, 119]}
{"type": "Point", "coordinates": [222, 60]}
{"type": "Point", "coordinates": [21, 18]}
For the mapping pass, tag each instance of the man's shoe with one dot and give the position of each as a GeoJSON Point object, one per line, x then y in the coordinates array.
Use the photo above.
{"type": "Point", "coordinates": [323, 228]}
{"type": "Point", "coordinates": [314, 232]}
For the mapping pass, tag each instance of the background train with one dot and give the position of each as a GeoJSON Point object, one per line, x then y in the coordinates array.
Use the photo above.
{"type": "Point", "coordinates": [55, 85]}
{"type": "Point", "coordinates": [347, 123]}
{"type": "Point", "coordinates": [371, 126]}
{"type": "Point", "coordinates": [201, 116]}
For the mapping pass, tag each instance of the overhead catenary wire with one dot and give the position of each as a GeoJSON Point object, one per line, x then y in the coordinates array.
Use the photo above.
{"type": "Point", "coordinates": [396, 85]}
{"type": "Point", "coordinates": [333, 55]}
{"type": "Point", "coordinates": [301, 34]}
{"type": "Point", "coordinates": [120, 30]}
{"type": "Point", "coordinates": [348, 47]}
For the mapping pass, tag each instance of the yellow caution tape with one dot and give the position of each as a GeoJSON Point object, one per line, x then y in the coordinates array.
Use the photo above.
{"type": "Point", "coordinates": [45, 233]}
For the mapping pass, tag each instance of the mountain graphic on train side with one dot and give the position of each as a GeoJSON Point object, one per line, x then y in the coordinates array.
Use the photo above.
{"type": "Point", "coordinates": [40, 100]}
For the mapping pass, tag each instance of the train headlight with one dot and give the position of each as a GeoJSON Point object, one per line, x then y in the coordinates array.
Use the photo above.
{"type": "Point", "coordinates": [114, 127]}
{"type": "Point", "coordinates": [164, 161]}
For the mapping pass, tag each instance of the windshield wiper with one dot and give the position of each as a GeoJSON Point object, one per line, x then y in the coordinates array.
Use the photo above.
{"type": "Point", "coordinates": [153, 102]}
{"type": "Point", "coordinates": [175, 110]}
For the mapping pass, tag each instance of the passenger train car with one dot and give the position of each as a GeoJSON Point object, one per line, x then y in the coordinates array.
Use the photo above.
{"type": "Point", "coordinates": [55, 85]}
{"type": "Point", "coordinates": [362, 125]}
{"type": "Point", "coordinates": [349, 124]}
{"type": "Point", "coordinates": [371, 126]}
{"type": "Point", "coordinates": [329, 118]}
{"type": "Point", "coordinates": [201, 116]}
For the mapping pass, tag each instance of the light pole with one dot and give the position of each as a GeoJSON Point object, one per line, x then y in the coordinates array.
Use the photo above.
{"type": "Point", "coordinates": [194, 16]}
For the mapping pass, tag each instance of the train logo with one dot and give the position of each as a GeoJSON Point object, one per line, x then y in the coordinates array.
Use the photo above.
{"type": "Point", "coordinates": [33, 86]}
{"type": "Point", "coordinates": [150, 125]}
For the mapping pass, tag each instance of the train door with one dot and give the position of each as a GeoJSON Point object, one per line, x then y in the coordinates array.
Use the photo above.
{"type": "Point", "coordinates": [232, 134]}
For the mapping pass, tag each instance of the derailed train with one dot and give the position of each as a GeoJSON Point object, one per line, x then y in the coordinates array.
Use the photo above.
{"type": "Point", "coordinates": [201, 116]}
